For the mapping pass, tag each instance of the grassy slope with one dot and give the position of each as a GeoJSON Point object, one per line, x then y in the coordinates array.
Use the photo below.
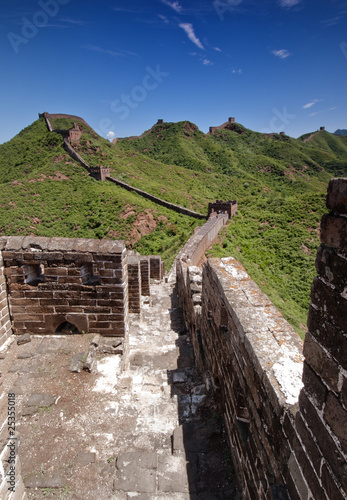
{"type": "Point", "coordinates": [44, 192]}
{"type": "Point", "coordinates": [279, 182]}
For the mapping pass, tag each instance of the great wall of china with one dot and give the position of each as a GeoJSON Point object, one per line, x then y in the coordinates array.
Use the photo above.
{"type": "Point", "coordinates": [284, 401]}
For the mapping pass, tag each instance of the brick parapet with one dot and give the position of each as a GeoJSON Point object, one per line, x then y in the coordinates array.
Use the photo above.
{"type": "Point", "coordinates": [255, 360]}
{"type": "Point", "coordinates": [155, 269]}
{"type": "Point", "coordinates": [56, 280]}
{"type": "Point", "coordinates": [145, 276]}
{"type": "Point", "coordinates": [5, 321]}
{"type": "Point", "coordinates": [134, 284]}
{"type": "Point", "coordinates": [322, 418]}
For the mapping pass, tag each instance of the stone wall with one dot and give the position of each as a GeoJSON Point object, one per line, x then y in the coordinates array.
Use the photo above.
{"type": "Point", "coordinates": [286, 417]}
{"type": "Point", "coordinates": [134, 284]}
{"type": "Point", "coordinates": [54, 283]}
{"type": "Point", "coordinates": [145, 276]}
{"type": "Point", "coordinates": [319, 449]}
{"type": "Point", "coordinates": [254, 359]}
{"type": "Point", "coordinates": [159, 201]}
{"type": "Point", "coordinates": [213, 129]}
{"type": "Point", "coordinates": [5, 322]}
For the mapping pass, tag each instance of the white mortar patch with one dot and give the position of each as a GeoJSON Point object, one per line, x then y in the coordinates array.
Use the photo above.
{"type": "Point", "coordinates": [108, 368]}
{"type": "Point", "coordinates": [288, 373]}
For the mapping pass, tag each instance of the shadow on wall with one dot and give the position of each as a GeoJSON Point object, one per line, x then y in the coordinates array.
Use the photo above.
{"type": "Point", "coordinates": [200, 440]}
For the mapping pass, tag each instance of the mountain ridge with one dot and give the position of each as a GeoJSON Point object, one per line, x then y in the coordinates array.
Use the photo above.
{"type": "Point", "coordinates": [279, 183]}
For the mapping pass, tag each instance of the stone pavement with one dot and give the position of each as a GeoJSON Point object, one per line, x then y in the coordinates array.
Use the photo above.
{"type": "Point", "coordinates": [186, 455]}
{"type": "Point", "coordinates": [150, 432]}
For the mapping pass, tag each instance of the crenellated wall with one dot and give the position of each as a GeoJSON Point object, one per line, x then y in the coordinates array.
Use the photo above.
{"type": "Point", "coordinates": [286, 416]}
{"type": "Point", "coordinates": [159, 201]}
{"type": "Point", "coordinates": [254, 360]}
{"type": "Point", "coordinates": [5, 322]}
{"type": "Point", "coordinates": [53, 281]}
{"type": "Point", "coordinates": [319, 448]}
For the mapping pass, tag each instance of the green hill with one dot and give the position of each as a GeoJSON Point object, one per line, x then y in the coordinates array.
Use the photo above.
{"type": "Point", "coordinates": [280, 184]}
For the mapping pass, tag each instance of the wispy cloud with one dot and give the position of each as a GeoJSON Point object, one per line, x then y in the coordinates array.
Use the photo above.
{"type": "Point", "coordinates": [289, 3]}
{"type": "Point", "coordinates": [163, 18]}
{"type": "Point", "coordinates": [323, 111]}
{"type": "Point", "coordinates": [113, 53]}
{"type": "Point", "coordinates": [75, 22]}
{"type": "Point", "coordinates": [127, 10]}
{"type": "Point", "coordinates": [282, 53]}
{"type": "Point", "coordinates": [334, 20]}
{"type": "Point", "coordinates": [207, 62]}
{"type": "Point", "coordinates": [217, 49]}
{"type": "Point", "coordinates": [188, 28]}
{"type": "Point", "coordinates": [312, 103]}
{"type": "Point", "coordinates": [236, 71]}
{"type": "Point", "coordinates": [174, 5]}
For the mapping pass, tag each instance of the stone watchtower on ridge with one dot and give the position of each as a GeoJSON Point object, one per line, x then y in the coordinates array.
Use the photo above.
{"type": "Point", "coordinates": [75, 133]}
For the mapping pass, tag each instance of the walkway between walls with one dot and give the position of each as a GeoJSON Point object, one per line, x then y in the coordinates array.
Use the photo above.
{"type": "Point", "coordinates": [152, 432]}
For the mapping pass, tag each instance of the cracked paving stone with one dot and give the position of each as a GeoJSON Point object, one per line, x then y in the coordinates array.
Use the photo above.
{"type": "Point", "coordinates": [43, 481]}
{"type": "Point", "coordinates": [41, 400]}
{"type": "Point", "coordinates": [85, 458]}
{"type": "Point", "coordinates": [172, 474]}
{"type": "Point", "coordinates": [136, 471]}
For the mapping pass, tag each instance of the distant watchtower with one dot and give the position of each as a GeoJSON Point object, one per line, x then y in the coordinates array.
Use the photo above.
{"type": "Point", "coordinates": [231, 120]}
{"type": "Point", "coordinates": [222, 207]}
{"type": "Point", "coordinates": [160, 121]}
{"type": "Point", "coordinates": [322, 129]}
{"type": "Point", "coordinates": [74, 133]}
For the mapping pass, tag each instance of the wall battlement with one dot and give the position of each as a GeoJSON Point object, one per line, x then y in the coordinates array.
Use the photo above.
{"type": "Point", "coordinates": [286, 416]}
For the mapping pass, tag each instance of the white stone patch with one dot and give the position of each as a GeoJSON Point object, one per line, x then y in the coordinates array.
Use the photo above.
{"type": "Point", "coordinates": [108, 368]}
{"type": "Point", "coordinates": [228, 264]}
{"type": "Point", "coordinates": [288, 373]}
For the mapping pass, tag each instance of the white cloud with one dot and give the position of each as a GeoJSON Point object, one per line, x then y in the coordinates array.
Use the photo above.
{"type": "Point", "coordinates": [289, 3]}
{"type": "Point", "coordinates": [95, 48]}
{"type": "Point", "coordinates": [236, 71]}
{"type": "Point", "coordinates": [217, 49]}
{"type": "Point", "coordinates": [174, 5]}
{"type": "Point", "coordinates": [110, 135]}
{"type": "Point", "coordinates": [188, 28]}
{"type": "Point", "coordinates": [164, 19]}
{"type": "Point", "coordinates": [312, 103]}
{"type": "Point", "coordinates": [282, 54]}
{"type": "Point", "coordinates": [207, 62]}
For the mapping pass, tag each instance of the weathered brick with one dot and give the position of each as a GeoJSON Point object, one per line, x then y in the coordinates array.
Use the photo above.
{"type": "Point", "coordinates": [309, 474]}
{"type": "Point", "coordinates": [330, 303]}
{"type": "Point", "coordinates": [336, 417]}
{"type": "Point", "coordinates": [318, 360]}
{"type": "Point", "coordinates": [324, 440]}
{"type": "Point", "coordinates": [328, 335]}
{"type": "Point", "coordinates": [344, 392]}
{"type": "Point", "coordinates": [309, 443]}
{"type": "Point", "coordinates": [337, 195]}
{"type": "Point", "coordinates": [334, 231]}
{"type": "Point", "coordinates": [332, 266]}
{"type": "Point", "coordinates": [330, 486]}
{"type": "Point", "coordinates": [314, 386]}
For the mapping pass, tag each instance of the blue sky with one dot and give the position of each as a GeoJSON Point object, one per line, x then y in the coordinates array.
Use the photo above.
{"type": "Point", "coordinates": [274, 64]}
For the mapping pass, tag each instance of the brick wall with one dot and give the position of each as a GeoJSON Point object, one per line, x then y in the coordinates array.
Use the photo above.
{"type": "Point", "coordinates": [155, 267]}
{"type": "Point", "coordinates": [134, 284]}
{"type": "Point", "coordinates": [254, 358]}
{"type": "Point", "coordinates": [52, 281]}
{"type": "Point", "coordinates": [5, 322]}
{"type": "Point", "coordinates": [159, 201]}
{"type": "Point", "coordinates": [319, 449]}
{"type": "Point", "coordinates": [145, 278]}
{"type": "Point", "coordinates": [286, 417]}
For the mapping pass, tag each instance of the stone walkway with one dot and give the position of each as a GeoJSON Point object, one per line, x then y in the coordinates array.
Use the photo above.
{"type": "Point", "coordinates": [151, 432]}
